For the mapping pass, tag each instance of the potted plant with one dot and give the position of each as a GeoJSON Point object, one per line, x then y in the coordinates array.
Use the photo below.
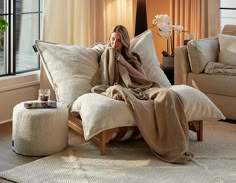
{"type": "Point", "coordinates": [3, 27]}
{"type": "Point", "coordinates": [166, 30]}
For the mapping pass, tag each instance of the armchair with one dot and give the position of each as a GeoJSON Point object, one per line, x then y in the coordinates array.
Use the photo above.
{"type": "Point", "coordinates": [190, 64]}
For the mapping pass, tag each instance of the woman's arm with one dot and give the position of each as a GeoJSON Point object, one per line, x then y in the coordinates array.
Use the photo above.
{"type": "Point", "coordinates": [137, 72]}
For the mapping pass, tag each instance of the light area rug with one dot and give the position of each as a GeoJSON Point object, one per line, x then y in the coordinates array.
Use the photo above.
{"type": "Point", "coordinates": [214, 162]}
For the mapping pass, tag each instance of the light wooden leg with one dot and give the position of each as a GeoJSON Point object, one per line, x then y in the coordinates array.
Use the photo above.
{"type": "Point", "coordinates": [200, 131]}
{"type": "Point", "coordinates": [197, 126]}
{"type": "Point", "coordinates": [103, 143]}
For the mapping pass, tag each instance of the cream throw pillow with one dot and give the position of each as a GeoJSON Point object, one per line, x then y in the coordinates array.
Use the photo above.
{"type": "Point", "coordinates": [143, 45]}
{"type": "Point", "coordinates": [202, 51]}
{"type": "Point", "coordinates": [69, 69]}
{"type": "Point", "coordinates": [227, 49]}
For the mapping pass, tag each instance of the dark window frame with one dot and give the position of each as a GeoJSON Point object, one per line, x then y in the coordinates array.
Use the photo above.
{"type": "Point", "coordinates": [11, 18]}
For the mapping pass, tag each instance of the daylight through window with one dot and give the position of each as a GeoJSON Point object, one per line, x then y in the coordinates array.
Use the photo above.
{"type": "Point", "coordinates": [24, 19]}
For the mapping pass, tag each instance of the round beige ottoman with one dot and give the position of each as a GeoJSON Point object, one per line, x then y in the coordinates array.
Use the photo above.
{"type": "Point", "coordinates": [39, 132]}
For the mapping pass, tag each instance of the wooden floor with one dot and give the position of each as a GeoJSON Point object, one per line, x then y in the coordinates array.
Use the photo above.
{"type": "Point", "coordinates": [9, 159]}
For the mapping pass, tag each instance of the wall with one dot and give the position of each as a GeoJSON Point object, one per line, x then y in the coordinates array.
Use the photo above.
{"type": "Point", "coordinates": [15, 89]}
{"type": "Point", "coordinates": [154, 8]}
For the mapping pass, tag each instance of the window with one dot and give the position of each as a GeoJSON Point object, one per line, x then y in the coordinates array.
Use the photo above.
{"type": "Point", "coordinates": [24, 19]}
{"type": "Point", "coordinates": [227, 12]}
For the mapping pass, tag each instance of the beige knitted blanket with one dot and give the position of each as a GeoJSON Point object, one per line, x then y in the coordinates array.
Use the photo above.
{"type": "Point", "coordinates": [158, 111]}
{"type": "Point", "coordinates": [220, 68]}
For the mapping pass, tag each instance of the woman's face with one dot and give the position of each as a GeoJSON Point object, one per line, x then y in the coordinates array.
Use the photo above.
{"type": "Point", "coordinates": [116, 41]}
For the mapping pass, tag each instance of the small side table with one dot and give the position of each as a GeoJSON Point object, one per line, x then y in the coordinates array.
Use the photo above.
{"type": "Point", "coordinates": [39, 132]}
{"type": "Point", "coordinates": [169, 72]}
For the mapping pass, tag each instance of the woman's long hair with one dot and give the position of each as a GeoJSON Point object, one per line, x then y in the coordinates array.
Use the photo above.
{"type": "Point", "coordinates": [125, 40]}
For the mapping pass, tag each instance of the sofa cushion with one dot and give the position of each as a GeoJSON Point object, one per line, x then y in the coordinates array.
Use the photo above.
{"type": "Point", "coordinates": [197, 106]}
{"type": "Point", "coordinates": [97, 113]}
{"type": "Point", "coordinates": [69, 69]}
{"type": "Point", "coordinates": [213, 84]}
{"type": "Point", "coordinates": [201, 52]}
{"type": "Point", "coordinates": [227, 53]}
{"type": "Point", "coordinates": [143, 45]}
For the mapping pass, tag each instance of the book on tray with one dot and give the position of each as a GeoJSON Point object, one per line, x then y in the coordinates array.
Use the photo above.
{"type": "Point", "coordinates": [40, 104]}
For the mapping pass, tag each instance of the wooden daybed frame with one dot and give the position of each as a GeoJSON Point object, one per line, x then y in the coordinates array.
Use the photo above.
{"type": "Point", "coordinates": [104, 137]}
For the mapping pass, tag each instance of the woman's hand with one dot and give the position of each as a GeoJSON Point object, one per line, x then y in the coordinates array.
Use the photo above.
{"type": "Point", "coordinates": [128, 66]}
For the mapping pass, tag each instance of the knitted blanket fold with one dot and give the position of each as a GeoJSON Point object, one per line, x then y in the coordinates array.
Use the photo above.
{"type": "Point", "coordinates": [158, 111]}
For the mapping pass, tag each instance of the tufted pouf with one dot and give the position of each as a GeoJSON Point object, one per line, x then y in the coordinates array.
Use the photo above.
{"type": "Point", "coordinates": [39, 132]}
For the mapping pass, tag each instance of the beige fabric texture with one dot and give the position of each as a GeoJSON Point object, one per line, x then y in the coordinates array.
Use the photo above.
{"type": "Point", "coordinates": [197, 106]}
{"type": "Point", "coordinates": [229, 29]}
{"type": "Point", "coordinates": [143, 45]}
{"type": "Point", "coordinates": [70, 69]}
{"type": "Point", "coordinates": [215, 84]}
{"type": "Point", "coordinates": [201, 52]}
{"type": "Point", "coordinates": [158, 111]}
{"type": "Point", "coordinates": [39, 132]}
{"type": "Point", "coordinates": [220, 68]}
{"type": "Point", "coordinates": [99, 113]}
{"type": "Point", "coordinates": [227, 53]}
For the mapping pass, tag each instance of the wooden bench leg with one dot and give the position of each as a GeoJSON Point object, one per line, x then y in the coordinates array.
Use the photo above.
{"type": "Point", "coordinates": [103, 143]}
{"type": "Point", "coordinates": [197, 126]}
{"type": "Point", "coordinates": [200, 131]}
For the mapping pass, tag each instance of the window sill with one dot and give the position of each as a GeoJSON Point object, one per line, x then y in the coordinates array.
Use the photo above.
{"type": "Point", "coordinates": [23, 80]}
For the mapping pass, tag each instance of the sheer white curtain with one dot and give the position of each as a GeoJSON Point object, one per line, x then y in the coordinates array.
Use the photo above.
{"type": "Point", "coordinates": [199, 17]}
{"type": "Point", "coordinates": [86, 22]}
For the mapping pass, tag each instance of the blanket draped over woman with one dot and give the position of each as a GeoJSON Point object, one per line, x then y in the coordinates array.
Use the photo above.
{"type": "Point", "coordinates": [158, 111]}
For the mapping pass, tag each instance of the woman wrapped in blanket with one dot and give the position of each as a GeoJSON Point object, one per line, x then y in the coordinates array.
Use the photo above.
{"type": "Point", "coordinates": [158, 111]}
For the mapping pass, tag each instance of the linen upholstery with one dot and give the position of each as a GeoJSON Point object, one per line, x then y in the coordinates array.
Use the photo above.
{"type": "Point", "coordinates": [99, 113]}
{"type": "Point", "coordinates": [227, 53]}
{"type": "Point", "coordinates": [143, 45]}
{"type": "Point", "coordinates": [229, 29]}
{"type": "Point", "coordinates": [39, 132]}
{"type": "Point", "coordinates": [70, 69]}
{"type": "Point", "coordinates": [201, 52]}
{"type": "Point", "coordinates": [197, 106]}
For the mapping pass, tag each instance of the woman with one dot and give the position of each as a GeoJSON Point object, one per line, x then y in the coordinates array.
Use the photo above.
{"type": "Point", "coordinates": [158, 111]}
{"type": "Point", "coordinates": [119, 40]}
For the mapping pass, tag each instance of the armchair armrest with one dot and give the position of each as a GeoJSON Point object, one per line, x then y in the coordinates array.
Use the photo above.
{"type": "Point", "coordinates": [181, 65]}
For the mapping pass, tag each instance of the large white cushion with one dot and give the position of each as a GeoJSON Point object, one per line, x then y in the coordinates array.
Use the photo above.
{"type": "Point", "coordinates": [227, 53]}
{"type": "Point", "coordinates": [99, 113]}
{"type": "Point", "coordinates": [143, 45]}
{"type": "Point", "coordinates": [70, 69]}
{"type": "Point", "coordinates": [197, 106]}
